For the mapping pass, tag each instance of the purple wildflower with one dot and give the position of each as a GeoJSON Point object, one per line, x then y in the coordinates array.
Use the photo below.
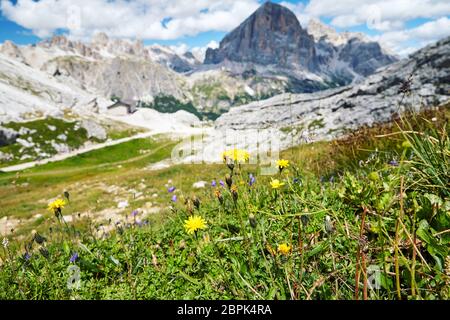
{"type": "Point", "coordinates": [171, 189]}
{"type": "Point", "coordinates": [213, 183]}
{"type": "Point", "coordinates": [74, 257]}
{"type": "Point", "coordinates": [252, 180]}
{"type": "Point", "coordinates": [222, 183]}
{"type": "Point", "coordinates": [27, 256]}
{"type": "Point", "coordinates": [393, 163]}
{"type": "Point", "coordinates": [174, 198]}
{"type": "Point", "coordinates": [134, 213]}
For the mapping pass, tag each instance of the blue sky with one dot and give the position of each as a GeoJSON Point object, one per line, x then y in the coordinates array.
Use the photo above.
{"type": "Point", "coordinates": [402, 25]}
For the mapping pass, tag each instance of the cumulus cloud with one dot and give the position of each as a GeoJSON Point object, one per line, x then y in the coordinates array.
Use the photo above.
{"type": "Point", "coordinates": [299, 10]}
{"type": "Point", "coordinates": [144, 19]}
{"type": "Point", "coordinates": [386, 17]}
{"type": "Point", "coordinates": [180, 49]}
{"type": "Point", "coordinates": [378, 14]}
{"type": "Point", "coordinates": [420, 36]}
{"type": "Point", "coordinates": [175, 19]}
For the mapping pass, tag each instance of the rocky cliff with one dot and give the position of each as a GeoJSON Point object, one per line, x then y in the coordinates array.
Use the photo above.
{"type": "Point", "coordinates": [313, 58]}
{"type": "Point", "coordinates": [421, 81]}
{"type": "Point", "coordinates": [270, 36]}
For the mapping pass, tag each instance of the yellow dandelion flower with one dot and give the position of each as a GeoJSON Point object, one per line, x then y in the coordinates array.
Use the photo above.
{"type": "Point", "coordinates": [282, 164]}
{"type": "Point", "coordinates": [276, 184]}
{"type": "Point", "coordinates": [56, 205]}
{"type": "Point", "coordinates": [194, 223]}
{"type": "Point", "coordinates": [284, 249]}
{"type": "Point", "coordinates": [236, 155]}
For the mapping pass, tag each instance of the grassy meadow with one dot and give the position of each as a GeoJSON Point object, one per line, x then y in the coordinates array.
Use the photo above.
{"type": "Point", "coordinates": [363, 217]}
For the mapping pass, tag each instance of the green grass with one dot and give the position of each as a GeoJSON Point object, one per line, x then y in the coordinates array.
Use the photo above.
{"type": "Point", "coordinates": [344, 209]}
{"type": "Point", "coordinates": [43, 131]}
{"type": "Point", "coordinates": [41, 134]}
{"type": "Point", "coordinates": [117, 130]}
{"type": "Point", "coordinates": [26, 194]}
{"type": "Point", "coordinates": [317, 123]}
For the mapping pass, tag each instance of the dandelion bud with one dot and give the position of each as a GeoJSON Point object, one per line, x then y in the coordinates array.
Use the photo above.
{"type": "Point", "coordinates": [28, 246]}
{"type": "Point", "coordinates": [44, 252]}
{"type": "Point", "coordinates": [189, 207]}
{"type": "Point", "coordinates": [196, 202]}
{"type": "Point", "coordinates": [252, 220]}
{"type": "Point", "coordinates": [219, 196]}
{"type": "Point", "coordinates": [229, 180]}
{"type": "Point", "coordinates": [38, 238]}
{"type": "Point", "coordinates": [234, 193]}
{"type": "Point", "coordinates": [230, 166]}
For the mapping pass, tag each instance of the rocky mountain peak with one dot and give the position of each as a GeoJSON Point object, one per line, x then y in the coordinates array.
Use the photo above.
{"type": "Point", "coordinates": [276, 17]}
{"type": "Point", "coordinates": [321, 31]}
{"type": "Point", "coordinates": [272, 35]}
{"type": "Point", "coordinates": [100, 38]}
{"type": "Point", "coordinates": [9, 49]}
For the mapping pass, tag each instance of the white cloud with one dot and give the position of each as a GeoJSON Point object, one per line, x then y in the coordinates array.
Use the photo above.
{"type": "Point", "coordinates": [387, 17]}
{"type": "Point", "coordinates": [180, 49]}
{"type": "Point", "coordinates": [143, 19]}
{"type": "Point", "coordinates": [400, 41]}
{"type": "Point", "coordinates": [299, 10]}
{"type": "Point", "coordinates": [378, 14]}
{"type": "Point", "coordinates": [128, 19]}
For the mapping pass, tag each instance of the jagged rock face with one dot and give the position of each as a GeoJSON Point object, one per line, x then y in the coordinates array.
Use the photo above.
{"type": "Point", "coordinates": [7, 136]}
{"type": "Point", "coordinates": [327, 114]}
{"type": "Point", "coordinates": [10, 50]}
{"type": "Point", "coordinates": [312, 59]}
{"type": "Point", "coordinates": [364, 57]}
{"type": "Point", "coordinates": [27, 93]}
{"type": "Point", "coordinates": [270, 36]}
{"type": "Point", "coordinates": [357, 51]}
{"type": "Point", "coordinates": [108, 67]}
{"type": "Point", "coordinates": [164, 56]}
{"type": "Point", "coordinates": [126, 78]}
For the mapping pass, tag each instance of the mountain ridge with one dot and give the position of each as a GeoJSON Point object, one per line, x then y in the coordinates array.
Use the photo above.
{"type": "Point", "coordinates": [132, 71]}
{"type": "Point", "coordinates": [272, 35]}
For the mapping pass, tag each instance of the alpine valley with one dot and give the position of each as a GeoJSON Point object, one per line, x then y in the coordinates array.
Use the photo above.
{"type": "Point", "coordinates": [290, 161]}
